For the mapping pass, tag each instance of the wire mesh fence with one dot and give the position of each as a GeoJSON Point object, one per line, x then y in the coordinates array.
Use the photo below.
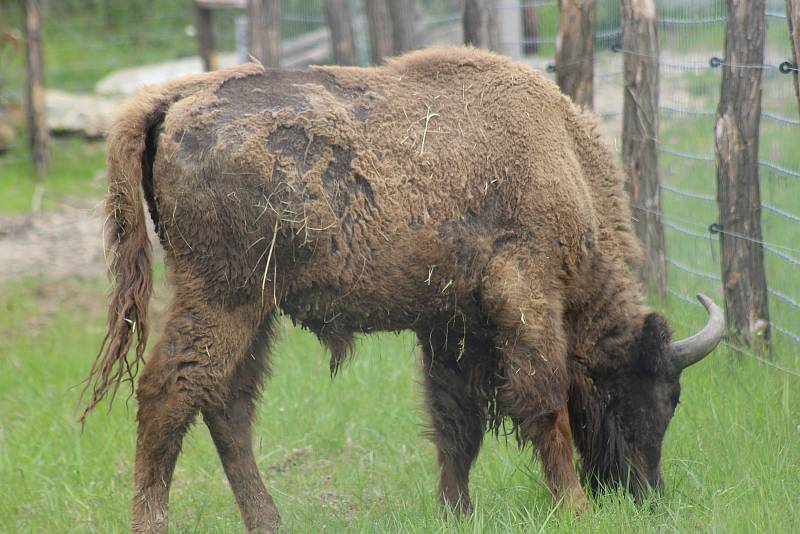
{"type": "Point", "coordinates": [85, 40]}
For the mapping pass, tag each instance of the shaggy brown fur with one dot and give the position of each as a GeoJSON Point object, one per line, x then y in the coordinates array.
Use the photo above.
{"type": "Point", "coordinates": [449, 192]}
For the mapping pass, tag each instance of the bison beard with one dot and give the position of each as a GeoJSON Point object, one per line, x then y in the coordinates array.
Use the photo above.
{"type": "Point", "coordinates": [449, 192]}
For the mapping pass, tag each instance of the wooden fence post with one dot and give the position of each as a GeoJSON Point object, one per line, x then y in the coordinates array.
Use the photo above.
{"type": "Point", "coordinates": [379, 20]}
{"type": "Point", "coordinates": [575, 50]}
{"type": "Point", "coordinates": [404, 25]}
{"type": "Point", "coordinates": [205, 37]}
{"type": "Point", "coordinates": [793, 15]}
{"type": "Point", "coordinates": [738, 196]}
{"type": "Point", "coordinates": [530, 29]}
{"type": "Point", "coordinates": [341, 24]}
{"type": "Point", "coordinates": [640, 136]}
{"type": "Point", "coordinates": [264, 23]}
{"type": "Point", "coordinates": [479, 18]}
{"type": "Point", "coordinates": [38, 135]}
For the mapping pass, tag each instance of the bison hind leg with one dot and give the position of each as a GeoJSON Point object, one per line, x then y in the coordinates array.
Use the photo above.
{"type": "Point", "coordinates": [340, 346]}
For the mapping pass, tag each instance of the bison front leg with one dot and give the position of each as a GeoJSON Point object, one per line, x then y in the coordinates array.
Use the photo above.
{"type": "Point", "coordinates": [457, 425]}
{"type": "Point", "coordinates": [526, 315]}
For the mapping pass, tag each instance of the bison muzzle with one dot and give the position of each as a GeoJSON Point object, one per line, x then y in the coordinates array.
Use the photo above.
{"type": "Point", "coordinates": [449, 192]}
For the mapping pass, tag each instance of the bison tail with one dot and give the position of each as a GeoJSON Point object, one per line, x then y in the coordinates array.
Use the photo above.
{"type": "Point", "coordinates": [130, 154]}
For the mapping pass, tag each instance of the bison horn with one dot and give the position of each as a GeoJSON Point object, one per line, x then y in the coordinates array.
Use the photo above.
{"type": "Point", "coordinates": [695, 348]}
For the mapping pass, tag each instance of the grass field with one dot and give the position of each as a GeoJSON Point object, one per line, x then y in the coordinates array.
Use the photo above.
{"type": "Point", "coordinates": [346, 455]}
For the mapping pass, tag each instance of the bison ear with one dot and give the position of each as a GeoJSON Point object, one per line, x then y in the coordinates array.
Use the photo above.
{"type": "Point", "coordinates": [654, 344]}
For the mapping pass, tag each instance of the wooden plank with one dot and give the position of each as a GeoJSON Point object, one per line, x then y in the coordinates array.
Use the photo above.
{"type": "Point", "coordinates": [738, 195]}
{"type": "Point", "coordinates": [640, 136]}
{"type": "Point", "coordinates": [221, 4]}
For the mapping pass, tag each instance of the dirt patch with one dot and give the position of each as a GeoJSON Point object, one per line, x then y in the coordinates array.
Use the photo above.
{"type": "Point", "coordinates": [67, 243]}
{"type": "Point", "coordinates": [55, 245]}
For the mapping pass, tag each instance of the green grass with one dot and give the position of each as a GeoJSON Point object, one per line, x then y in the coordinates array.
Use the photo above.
{"type": "Point", "coordinates": [77, 170]}
{"type": "Point", "coordinates": [346, 455]}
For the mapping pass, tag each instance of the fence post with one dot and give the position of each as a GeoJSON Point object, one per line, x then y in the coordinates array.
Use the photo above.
{"type": "Point", "coordinates": [736, 139]}
{"type": "Point", "coordinates": [379, 20]}
{"type": "Point", "coordinates": [264, 22]}
{"type": "Point", "coordinates": [404, 25]}
{"type": "Point", "coordinates": [341, 24]}
{"type": "Point", "coordinates": [793, 15]}
{"type": "Point", "coordinates": [530, 29]}
{"type": "Point", "coordinates": [205, 37]}
{"type": "Point", "coordinates": [38, 135]}
{"type": "Point", "coordinates": [575, 50]}
{"type": "Point", "coordinates": [640, 136]}
{"type": "Point", "coordinates": [479, 18]}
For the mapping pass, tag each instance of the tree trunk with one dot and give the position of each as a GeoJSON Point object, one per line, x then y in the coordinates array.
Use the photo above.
{"type": "Point", "coordinates": [379, 21]}
{"type": "Point", "coordinates": [205, 38]}
{"type": "Point", "coordinates": [264, 23]}
{"type": "Point", "coordinates": [575, 50]}
{"type": "Point", "coordinates": [530, 30]}
{"type": "Point", "coordinates": [793, 15]}
{"type": "Point", "coordinates": [480, 23]}
{"type": "Point", "coordinates": [640, 135]}
{"type": "Point", "coordinates": [404, 25]}
{"type": "Point", "coordinates": [736, 132]}
{"type": "Point", "coordinates": [341, 25]}
{"type": "Point", "coordinates": [38, 135]}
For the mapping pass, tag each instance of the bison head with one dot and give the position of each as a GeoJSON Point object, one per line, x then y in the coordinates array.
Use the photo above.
{"type": "Point", "coordinates": [620, 415]}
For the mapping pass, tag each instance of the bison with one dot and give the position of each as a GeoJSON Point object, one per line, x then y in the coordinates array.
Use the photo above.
{"type": "Point", "coordinates": [449, 192]}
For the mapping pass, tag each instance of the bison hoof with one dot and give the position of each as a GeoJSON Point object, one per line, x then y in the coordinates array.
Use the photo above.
{"type": "Point", "coordinates": [576, 501]}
